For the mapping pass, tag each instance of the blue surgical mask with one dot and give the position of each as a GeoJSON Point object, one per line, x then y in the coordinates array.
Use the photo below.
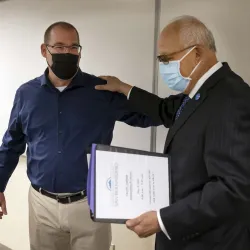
{"type": "Point", "coordinates": [171, 74]}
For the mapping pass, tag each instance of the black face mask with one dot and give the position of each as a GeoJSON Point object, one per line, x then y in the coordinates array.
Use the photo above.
{"type": "Point", "coordinates": [64, 66]}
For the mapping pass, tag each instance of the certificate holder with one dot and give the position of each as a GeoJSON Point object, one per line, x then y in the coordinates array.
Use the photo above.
{"type": "Point", "coordinates": [124, 183]}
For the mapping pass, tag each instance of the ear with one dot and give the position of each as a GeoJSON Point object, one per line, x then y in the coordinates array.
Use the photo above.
{"type": "Point", "coordinates": [43, 50]}
{"type": "Point", "coordinates": [199, 53]}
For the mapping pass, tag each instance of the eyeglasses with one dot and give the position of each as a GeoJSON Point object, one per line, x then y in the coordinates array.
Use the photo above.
{"type": "Point", "coordinates": [167, 58]}
{"type": "Point", "coordinates": [74, 49]}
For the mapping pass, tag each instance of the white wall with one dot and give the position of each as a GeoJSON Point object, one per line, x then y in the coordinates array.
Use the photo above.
{"type": "Point", "coordinates": [117, 39]}
{"type": "Point", "coordinates": [229, 21]}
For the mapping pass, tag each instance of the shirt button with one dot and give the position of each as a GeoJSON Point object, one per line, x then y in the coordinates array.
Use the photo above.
{"type": "Point", "coordinates": [60, 112]}
{"type": "Point", "coordinates": [59, 152]}
{"type": "Point", "coordinates": [60, 132]}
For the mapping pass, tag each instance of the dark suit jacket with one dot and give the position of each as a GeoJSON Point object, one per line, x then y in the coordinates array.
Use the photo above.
{"type": "Point", "coordinates": [209, 150]}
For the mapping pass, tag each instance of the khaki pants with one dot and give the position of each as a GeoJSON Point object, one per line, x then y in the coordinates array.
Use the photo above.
{"type": "Point", "coordinates": [55, 226]}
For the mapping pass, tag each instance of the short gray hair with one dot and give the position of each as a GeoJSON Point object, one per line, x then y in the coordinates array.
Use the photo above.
{"type": "Point", "coordinates": [192, 31]}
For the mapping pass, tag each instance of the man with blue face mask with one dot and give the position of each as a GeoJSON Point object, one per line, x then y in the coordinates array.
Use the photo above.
{"type": "Point", "coordinates": [172, 76]}
{"type": "Point", "coordinates": [208, 143]}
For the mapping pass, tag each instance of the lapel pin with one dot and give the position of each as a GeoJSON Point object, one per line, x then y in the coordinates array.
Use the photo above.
{"type": "Point", "coordinates": [197, 96]}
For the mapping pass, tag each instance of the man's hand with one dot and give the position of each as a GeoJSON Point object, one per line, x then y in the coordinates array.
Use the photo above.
{"type": "Point", "coordinates": [114, 85]}
{"type": "Point", "coordinates": [144, 225]}
{"type": "Point", "coordinates": [3, 210]}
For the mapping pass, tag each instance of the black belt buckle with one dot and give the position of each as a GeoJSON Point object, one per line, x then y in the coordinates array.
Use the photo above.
{"type": "Point", "coordinates": [64, 199]}
{"type": "Point", "coordinates": [72, 198]}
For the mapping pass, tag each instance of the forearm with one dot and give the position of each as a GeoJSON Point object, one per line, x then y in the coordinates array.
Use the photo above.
{"type": "Point", "coordinates": [13, 145]}
{"type": "Point", "coordinates": [8, 163]}
{"type": "Point", "coordinates": [128, 113]}
{"type": "Point", "coordinates": [125, 89]}
{"type": "Point", "coordinates": [161, 111]}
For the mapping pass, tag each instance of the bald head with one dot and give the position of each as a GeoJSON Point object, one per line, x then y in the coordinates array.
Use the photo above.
{"type": "Point", "coordinates": [187, 40]}
{"type": "Point", "coordinates": [187, 31]}
{"type": "Point", "coordinates": [60, 26]}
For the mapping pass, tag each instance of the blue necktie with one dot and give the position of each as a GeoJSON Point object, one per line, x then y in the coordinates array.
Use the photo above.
{"type": "Point", "coordinates": [184, 102]}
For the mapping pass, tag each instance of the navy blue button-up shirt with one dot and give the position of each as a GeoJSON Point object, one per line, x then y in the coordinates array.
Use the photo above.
{"type": "Point", "coordinates": [58, 128]}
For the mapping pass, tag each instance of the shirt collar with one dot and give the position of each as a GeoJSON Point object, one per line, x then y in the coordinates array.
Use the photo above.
{"type": "Point", "coordinates": [201, 81]}
{"type": "Point", "coordinates": [76, 81]}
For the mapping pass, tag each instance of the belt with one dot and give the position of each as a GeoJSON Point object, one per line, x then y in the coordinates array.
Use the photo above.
{"type": "Point", "coordinates": [62, 199]}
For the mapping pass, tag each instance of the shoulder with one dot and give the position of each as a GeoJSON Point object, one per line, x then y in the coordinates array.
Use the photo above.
{"type": "Point", "coordinates": [236, 83]}
{"type": "Point", "coordinates": [232, 86]}
{"type": "Point", "coordinates": [29, 87]}
{"type": "Point", "coordinates": [231, 95]}
{"type": "Point", "coordinates": [31, 84]}
{"type": "Point", "coordinates": [91, 80]}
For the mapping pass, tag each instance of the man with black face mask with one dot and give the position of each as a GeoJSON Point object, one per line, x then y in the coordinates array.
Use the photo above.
{"type": "Point", "coordinates": [59, 115]}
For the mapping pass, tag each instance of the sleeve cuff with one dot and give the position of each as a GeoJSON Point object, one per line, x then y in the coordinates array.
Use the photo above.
{"type": "Point", "coordinates": [129, 93]}
{"type": "Point", "coordinates": [162, 225]}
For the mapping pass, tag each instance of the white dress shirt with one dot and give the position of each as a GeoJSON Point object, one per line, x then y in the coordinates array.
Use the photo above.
{"type": "Point", "coordinates": [210, 72]}
{"type": "Point", "coordinates": [198, 85]}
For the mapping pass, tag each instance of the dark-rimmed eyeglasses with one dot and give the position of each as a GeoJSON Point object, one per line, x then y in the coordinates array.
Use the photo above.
{"type": "Point", "coordinates": [74, 49]}
{"type": "Point", "coordinates": [167, 58]}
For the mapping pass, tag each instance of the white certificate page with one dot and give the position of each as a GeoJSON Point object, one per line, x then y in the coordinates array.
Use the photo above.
{"type": "Point", "coordinates": [128, 185]}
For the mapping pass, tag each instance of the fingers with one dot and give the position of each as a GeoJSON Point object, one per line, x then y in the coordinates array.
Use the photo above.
{"type": "Point", "coordinates": [132, 223]}
{"type": "Point", "coordinates": [4, 208]}
{"type": "Point", "coordinates": [141, 225]}
{"type": "Point", "coordinates": [108, 78]}
{"type": "Point", "coordinates": [139, 230]}
{"type": "Point", "coordinates": [113, 84]}
{"type": "Point", "coordinates": [104, 77]}
{"type": "Point", "coordinates": [100, 87]}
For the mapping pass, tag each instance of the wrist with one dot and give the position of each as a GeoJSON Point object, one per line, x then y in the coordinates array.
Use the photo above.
{"type": "Point", "coordinates": [125, 88]}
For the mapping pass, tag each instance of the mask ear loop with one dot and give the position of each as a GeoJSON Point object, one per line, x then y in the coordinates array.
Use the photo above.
{"type": "Point", "coordinates": [47, 48]}
{"type": "Point", "coordinates": [195, 68]}
{"type": "Point", "coordinates": [187, 53]}
{"type": "Point", "coordinates": [50, 54]}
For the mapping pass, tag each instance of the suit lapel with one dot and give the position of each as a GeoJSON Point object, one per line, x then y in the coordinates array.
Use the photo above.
{"type": "Point", "coordinates": [188, 110]}
{"type": "Point", "coordinates": [195, 102]}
